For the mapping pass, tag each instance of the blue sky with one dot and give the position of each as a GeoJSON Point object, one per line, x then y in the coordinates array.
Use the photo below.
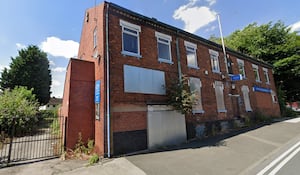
{"type": "Point", "coordinates": [55, 26]}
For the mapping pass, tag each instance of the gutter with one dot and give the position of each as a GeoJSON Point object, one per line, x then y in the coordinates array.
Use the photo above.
{"type": "Point", "coordinates": [178, 59]}
{"type": "Point", "coordinates": [107, 83]}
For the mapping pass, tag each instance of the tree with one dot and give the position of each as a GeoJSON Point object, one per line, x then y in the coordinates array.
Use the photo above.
{"type": "Point", "coordinates": [18, 104]}
{"type": "Point", "coordinates": [31, 69]}
{"type": "Point", "coordinates": [275, 44]}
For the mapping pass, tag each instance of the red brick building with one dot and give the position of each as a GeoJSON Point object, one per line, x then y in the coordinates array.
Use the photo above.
{"type": "Point", "coordinates": [126, 60]}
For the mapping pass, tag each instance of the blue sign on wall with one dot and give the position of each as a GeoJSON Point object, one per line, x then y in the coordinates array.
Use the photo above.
{"type": "Point", "coordinates": [236, 77]}
{"type": "Point", "coordinates": [261, 89]}
{"type": "Point", "coordinates": [97, 91]}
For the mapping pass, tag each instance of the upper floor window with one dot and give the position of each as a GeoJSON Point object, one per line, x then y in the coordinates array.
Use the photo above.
{"type": "Point", "coordinates": [191, 54]}
{"type": "Point", "coordinates": [229, 65]}
{"type": "Point", "coordinates": [164, 47]}
{"type": "Point", "coordinates": [241, 66]}
{"type": "Point", "coordinates": [95, 37]}
{"type": "Point", "coordinates": [214, 57]}
{"type": "Point", "coordinates": [130, 39]}
{"type": "Point", "coordinates": [266, 74]}
{"type": "Point", "coordinates": [256, 72]}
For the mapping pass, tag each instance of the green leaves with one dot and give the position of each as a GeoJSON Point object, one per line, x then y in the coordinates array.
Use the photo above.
{"type": "Point", "coordinates": [31, 69]}
{"type": "Point", "coordinates": [20, 104]}
{"type": "Point", "coordinates": [180, 97]}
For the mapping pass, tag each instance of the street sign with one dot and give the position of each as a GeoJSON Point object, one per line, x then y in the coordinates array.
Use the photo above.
{"type": "Point", "coordinates": [236, 77]}
{"type": "Point", "coordinates": [97, 91]}
{"type": "Point", "coordinates": [261, 89]}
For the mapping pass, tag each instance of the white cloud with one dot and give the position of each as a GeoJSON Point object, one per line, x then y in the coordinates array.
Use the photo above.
{"type": "Point", "coordinates": [194, 17]}
{"type": "Point", "coordinates": [55, 83]}
{"type": "Point", "coordinates": [59, 69]}
{"type": "Point", "coordinates": [57, 47]}
{"type": "Point", "coordinates": [295, 27]}
{"type": "Point", "coordinates": [51, 63]}
{"type": "Point", "coordinates": [211, 2]}
{"type": "Point", "coordinates": [2, 67]}
{"type": "Point", "coordinates": [20, 46]}
{"type": "Point", "coordinates": [209, 29]}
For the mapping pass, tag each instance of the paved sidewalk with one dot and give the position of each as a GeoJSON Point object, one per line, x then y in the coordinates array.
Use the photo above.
{"type": "Point", "coordinates": [242, 153]}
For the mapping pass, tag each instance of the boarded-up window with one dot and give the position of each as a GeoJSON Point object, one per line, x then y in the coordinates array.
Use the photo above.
{"type": "Point", "coordinates": [245, 91]}
{"type": "Point", "coordinates": [195, 86]}
{"type": "Point", "coordinates": [142, 80]}
{"type": "Point", "coordinates": [219, 87]}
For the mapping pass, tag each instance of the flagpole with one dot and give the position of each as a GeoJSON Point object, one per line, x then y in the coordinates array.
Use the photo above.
{"type": "Point", "coordinates": [223, 45]}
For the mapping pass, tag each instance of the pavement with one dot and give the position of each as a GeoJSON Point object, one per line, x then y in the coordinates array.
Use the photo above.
{"type": "Point", "coordinates": [243, 152]}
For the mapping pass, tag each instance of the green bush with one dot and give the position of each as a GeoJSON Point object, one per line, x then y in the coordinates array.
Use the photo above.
{"type": "Point", "coordinates": [18, 108]}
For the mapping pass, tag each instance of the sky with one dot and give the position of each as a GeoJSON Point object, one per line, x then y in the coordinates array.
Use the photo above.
{"type": "Point", "coordinates": [55, 26]}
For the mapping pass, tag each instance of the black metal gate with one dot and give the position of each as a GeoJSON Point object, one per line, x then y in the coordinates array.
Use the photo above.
{"type": "Point", "coordinates": [43, 142]}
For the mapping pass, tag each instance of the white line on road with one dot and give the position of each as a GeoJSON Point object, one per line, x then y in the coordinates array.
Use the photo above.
{"type": "Point", "coordinates": [279, 166]}
{"type": "Point", "coordinates": [263, 171]}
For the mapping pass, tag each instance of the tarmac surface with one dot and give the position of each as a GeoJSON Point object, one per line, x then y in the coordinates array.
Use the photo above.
{"type": "Point", "coordinates": [245, 152]}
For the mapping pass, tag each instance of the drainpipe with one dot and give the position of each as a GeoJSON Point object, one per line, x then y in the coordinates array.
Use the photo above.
{"type": "Point", "coordinates": [178, 57]}
{"type": "Point", "coordinates": [107, 82]}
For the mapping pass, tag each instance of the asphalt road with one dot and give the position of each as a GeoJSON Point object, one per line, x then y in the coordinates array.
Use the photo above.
{"type": "Point", "coordinates": [244, 153]}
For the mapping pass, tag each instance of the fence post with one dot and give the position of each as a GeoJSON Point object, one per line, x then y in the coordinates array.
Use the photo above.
{"type": "Point", "coordinates": [12, 133]}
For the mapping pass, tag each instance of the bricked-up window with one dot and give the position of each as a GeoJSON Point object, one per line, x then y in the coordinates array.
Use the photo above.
{"type": "Point", "coordinates": [130, 39]}
{"type": "Point", "coordinates": [191, 54]}
{"type": "Point", "coordinates": [241, 66]}
{"type": "Point", "coordinates": [195, 86]}
{"type": "Point", "coordinates": [214, 57]}
{"type": "Point", "coordinates": [95, 37]}
{"type": "Point", "coordinates": [245, 91]}
{"type": "Point", "coordinates": [266, 74]}
{"type": "Point", "coordinates": [219, 87]}
{"type": "Point", "coordinates": [164, 47]}
{"type": "Point", "coordinates": [256, 73]}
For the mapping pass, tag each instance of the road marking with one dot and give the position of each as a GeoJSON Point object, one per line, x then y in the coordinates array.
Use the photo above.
{"type": "Point", "coordinates": [263, 171]}
{"type": "Point", "coordinates": [262, 140]}
{"type": "Point", "coordinates": [294, 120]}
{"type": "Point", "coordinates": [279, 166]}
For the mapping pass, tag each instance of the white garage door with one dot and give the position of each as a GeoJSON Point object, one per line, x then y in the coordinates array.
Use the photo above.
{"type": "Point", "coordinates": [165, 126]}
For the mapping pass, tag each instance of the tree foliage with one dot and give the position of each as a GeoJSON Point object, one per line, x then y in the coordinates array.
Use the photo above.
{"type": "Point", "coordinates": [273, 43]}
{"type": "Point", "coordinates": [18, 104]}
{"type": "Point", "coordinates": [180, 96]}
{"type": "Point", "coordinates": [31, 69]}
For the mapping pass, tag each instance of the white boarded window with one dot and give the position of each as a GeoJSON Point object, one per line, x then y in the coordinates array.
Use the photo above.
{"type": "Point", "coordinates": [256, 72]}
{"type": "Point", "coordinates": [195, 86]}
{"type": "Point", "coordinates": [164, 47]}
{"type": "Point", "coordinates": [214, 57]}
{"type": "Point", "coordinates": [219, 88]}
{"type": "Point", "coordinates": [245, 91]}
{"type": "Point", "coordinates": [241, 66]}
{"type": "Point", "coordinates": [266, 74]}
{"type": "Point", "coordinates": [130, 39]}
{"type": "Point", "coordinates": [145, 81]}
{"type": "Point", "coordinates": [191, 54]}
{"type": "Point", "coordinates": [274, 97]}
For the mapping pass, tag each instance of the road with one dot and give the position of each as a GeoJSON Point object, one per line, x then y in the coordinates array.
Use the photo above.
{"type": "Point", "coordinates": [244, 153]}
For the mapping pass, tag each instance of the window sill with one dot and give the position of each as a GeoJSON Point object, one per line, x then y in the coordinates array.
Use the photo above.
{"type": "Point", "coordinates": [267, 83]}
{"type": "Point", "coordinates": [258, 81]}
{"type": "Point", "coordinates": [165, 61]}
{"type": "Point", "coordinates": [197, 111]}
{"type": "Point", "coordinates": [194, 67]}
{"type": "Point", "coordinates": [217, 72]}
{"type": "Point", "coordinates": [131, 54]}
{"type": "Point", "coordinates": [222, 110]}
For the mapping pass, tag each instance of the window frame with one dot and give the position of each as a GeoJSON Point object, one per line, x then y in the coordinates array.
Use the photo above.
{"type": "Point", "coordinates": [126, 25]}
{"type": "Point", "coordinates": [266, 75]}
{"type": "Point", "coordinates": [191, 47]}
{"type": "Point", "coordinates": [159, 37]}
{"type": "Point", "coordinates": [220, 102]}
{"type": "Point", "coordinates": [256, 72]}
{"type": "Point", "coordinates": [241, 62]}
{"type": "Point", "coordinates": [198, 107]}
{"type": "Point", "coordinates": [214, 57]}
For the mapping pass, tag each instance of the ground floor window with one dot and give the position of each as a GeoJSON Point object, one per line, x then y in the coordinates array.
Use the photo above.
{"type": "Point", "coordinates": [245, 91]}
{"type": "Point", "coordinates": [219, 88]}
{"type": "Point", "coordinates": [195, 86]}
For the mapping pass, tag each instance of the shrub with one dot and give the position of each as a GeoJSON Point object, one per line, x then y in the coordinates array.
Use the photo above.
{"type": "Point", "coordinates": [18, 108]}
